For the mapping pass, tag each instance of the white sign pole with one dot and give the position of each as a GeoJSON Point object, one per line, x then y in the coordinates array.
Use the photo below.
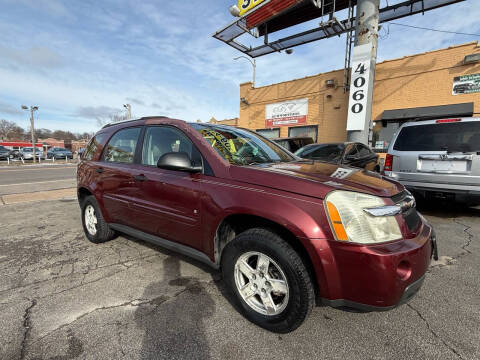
{"type": "Point", "coordinates": [363, 68]}
{"type": "Point", "coordinates": [360, 77]}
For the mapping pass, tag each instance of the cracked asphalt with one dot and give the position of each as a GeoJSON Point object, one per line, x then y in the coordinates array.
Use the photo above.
{"type": "Point", "coordinates": [62, 297]}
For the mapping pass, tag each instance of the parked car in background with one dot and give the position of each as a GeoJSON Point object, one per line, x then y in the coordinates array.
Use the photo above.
{"type": "Point", "coordinates": [284, 232]}
{"type": "Point", "coordinates": [4, 153]}
{"type": "Point", "coordinates": [438, 158]}
{"type": "Point", "coordinates": [27, 153]}
{"type": "Point", "coordinates": [59, 153]}
{"type": "Point", "coordinates": [347, 153]}
{"type": "Point", "coordinates": [292, 144]}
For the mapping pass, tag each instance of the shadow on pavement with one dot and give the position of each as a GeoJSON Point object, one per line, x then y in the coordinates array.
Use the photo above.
{"type": "Point", "coordinates": [174, 326]}
{"type": "Point", "coordinates": [446, 209]}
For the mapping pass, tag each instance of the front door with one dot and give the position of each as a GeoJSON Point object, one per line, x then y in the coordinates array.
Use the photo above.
{"type": "Point", "coordinates": [167, 203]}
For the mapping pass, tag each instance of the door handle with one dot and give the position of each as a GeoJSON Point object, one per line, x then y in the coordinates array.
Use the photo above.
{"type": "Point", "coordinates": [100, 170]}
{"type": "Point", "coordinates": [140, 178]}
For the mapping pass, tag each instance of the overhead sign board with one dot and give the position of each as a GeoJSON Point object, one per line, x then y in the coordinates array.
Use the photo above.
{"type": "Point", "coordinates": [247, 5]}
{"type": "Point", "coordinates": [360, 76]}
{"type": "Point", "coordinates": [466, 84]}
{"type": "Point", "coordinates": [293, 112]}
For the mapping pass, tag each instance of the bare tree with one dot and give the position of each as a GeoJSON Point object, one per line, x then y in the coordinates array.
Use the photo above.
{"type": "Point", "coordinates": [111, 118]}
{"type": "Point", "coordinates": [6, 128]}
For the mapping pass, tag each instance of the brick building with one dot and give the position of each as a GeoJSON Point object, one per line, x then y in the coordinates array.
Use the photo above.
{"type": "Point", "coordinates": [419, 86]}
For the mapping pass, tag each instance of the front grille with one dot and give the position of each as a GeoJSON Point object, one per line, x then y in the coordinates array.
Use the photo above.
{"type": "Point", "coordinates": [412, 219]}
{"type": "Point", "coordinates": [399, 197]}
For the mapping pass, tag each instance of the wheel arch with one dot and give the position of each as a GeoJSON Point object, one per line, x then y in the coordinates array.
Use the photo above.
{"type": "Point", "coordinates": [82, 193]}
{"type": "Point", "coordinates": [234, 224]}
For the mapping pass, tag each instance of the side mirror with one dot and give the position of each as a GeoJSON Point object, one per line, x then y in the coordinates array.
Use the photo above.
{"type": "Point", "coordinates": [178, 161]}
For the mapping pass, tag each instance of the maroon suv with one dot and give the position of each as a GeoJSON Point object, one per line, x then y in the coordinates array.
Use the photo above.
{"type": "Point", "coordinates": [286, 232]}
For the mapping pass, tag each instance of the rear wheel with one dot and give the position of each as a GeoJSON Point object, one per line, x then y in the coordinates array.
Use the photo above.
{"type": "Point", "coordinates": [268, 280]}
{"type": "Point", "coordinates": [94, 225]}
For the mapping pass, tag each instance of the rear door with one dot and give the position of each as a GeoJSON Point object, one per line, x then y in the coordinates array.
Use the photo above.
{"type": "Point", "coordinates": [441, 152]}
{"type": "Point", "coordinates": [115, 174]}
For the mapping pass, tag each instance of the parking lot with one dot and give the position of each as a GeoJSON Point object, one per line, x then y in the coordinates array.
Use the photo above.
{"type": "Point", "coordinates": [62, 297]}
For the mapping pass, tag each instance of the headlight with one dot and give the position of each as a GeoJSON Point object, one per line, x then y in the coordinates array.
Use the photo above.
{"type": "Point", "coordinates": [349, 221]}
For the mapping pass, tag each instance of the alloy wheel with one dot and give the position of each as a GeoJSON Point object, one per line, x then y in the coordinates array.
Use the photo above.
{"type": "Point", "coordinates": [261, 283]}
{"type": "Point", "coordinates": [91, 220]}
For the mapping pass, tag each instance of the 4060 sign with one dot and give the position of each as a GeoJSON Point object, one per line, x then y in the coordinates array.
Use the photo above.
{"type": "Point", "coordinates": [360, 77]}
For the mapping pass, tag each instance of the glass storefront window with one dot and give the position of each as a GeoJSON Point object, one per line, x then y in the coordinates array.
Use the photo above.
{"type": "Point", "coordinates": [303, 131]}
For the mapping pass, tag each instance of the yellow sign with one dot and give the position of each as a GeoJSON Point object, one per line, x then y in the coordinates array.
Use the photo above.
{"type": "Point", "coordinates": [247, 5]}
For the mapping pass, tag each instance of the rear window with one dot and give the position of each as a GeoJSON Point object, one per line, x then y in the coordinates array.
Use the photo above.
{"type": "Point", "coordinates": [451, 137]}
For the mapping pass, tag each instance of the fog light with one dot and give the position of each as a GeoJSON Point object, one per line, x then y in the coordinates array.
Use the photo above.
{"type": "Point", "coordinates": [404, 270]}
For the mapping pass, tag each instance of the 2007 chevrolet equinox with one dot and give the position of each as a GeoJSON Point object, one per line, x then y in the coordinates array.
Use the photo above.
{"type": "Point", "coordinates": [286, 232]}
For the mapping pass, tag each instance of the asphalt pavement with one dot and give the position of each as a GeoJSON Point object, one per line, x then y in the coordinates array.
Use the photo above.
{"type": "Point", "coordinates": [27, 179]}
{"type": "Point", "coordinates": [62, 297]}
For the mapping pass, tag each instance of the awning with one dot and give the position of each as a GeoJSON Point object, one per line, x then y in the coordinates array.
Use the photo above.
{"type": "Point", "coordinates": [429, 112]}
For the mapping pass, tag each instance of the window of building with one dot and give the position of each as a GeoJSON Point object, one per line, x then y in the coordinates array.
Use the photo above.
{"type": "Point", "coordinates": [269, 133]}
{"type": "Point", "coordinates": [304, 131]}
{"type": "Point", "coordinates": [160, 140]}
{"type": "Point", "coordinates": [122, 145]}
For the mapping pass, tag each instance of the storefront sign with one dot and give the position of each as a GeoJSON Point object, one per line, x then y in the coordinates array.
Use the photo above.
{"type": "Point", "coordinates": [293, 112]}
{"type": "Point", "coordinates": [466, 84]}
{"type": "Point", "coordinates": [247, 5]}
{"type": "Point", "coordinates": [357, 104]}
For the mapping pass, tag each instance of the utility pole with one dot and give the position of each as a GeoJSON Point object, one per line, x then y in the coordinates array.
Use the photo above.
{"type": "Point", "coordinates": [366, 32]}
{"type": "Point", "coordinates": [32, 129]}
{"type": "Point", "coordinates": [254, 65]}
{"type": "Point", "coordinates": [129, 110]}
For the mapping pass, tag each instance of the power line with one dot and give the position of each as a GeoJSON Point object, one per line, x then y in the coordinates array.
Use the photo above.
{"type": "Point", "coordinates": [430, 29]}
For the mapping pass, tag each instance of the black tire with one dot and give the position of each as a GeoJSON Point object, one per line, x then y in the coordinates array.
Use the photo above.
{"type": "Point", "coordinates": [103, 231]}
{"type": "Point", "coordinates": [301, 289]}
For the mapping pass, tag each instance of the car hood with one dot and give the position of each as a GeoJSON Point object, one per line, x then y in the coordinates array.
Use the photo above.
{"type": "Point", "coordinates": [316, 178]}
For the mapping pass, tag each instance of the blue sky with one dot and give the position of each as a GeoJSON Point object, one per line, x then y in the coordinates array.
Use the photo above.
{"type": "Point", "coordinates": [79, 60]}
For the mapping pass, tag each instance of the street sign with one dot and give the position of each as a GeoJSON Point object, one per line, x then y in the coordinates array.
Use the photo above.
{"type": "Point", "coordinates": [360, 76]}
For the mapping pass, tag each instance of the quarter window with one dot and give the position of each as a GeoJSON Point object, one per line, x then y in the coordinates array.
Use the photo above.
{"type": "Point", "coordinates": [122, 145]}
{"type": "Point", "coordinates": [92, 148]}
{"type": "Point", "coordinates": [160, 140]}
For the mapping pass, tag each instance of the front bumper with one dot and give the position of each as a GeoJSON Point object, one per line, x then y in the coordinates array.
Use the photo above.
{"type": "Point", "coordinates": [377, 277]}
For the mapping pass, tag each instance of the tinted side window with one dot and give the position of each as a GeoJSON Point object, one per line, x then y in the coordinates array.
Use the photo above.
{"type": "Point", "coordinates": [363, 150]}
{"type": "Point", "coordinates": [324, 152]}
{"type": "Point", "coordinates": [93, 147]}
{"type": "Point", "coordinates": [121, 147]}
{"type": "Point", "coordinates": [352, 151]}
{"type": "Point", "coordinates": [160, 140]}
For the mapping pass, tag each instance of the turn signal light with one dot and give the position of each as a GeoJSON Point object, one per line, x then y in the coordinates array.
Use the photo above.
{"type": "Point", "coordinates": [336, 221]}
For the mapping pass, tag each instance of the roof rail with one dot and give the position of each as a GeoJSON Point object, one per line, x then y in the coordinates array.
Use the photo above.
{"type": "Point", "coordinates": [131, 120]}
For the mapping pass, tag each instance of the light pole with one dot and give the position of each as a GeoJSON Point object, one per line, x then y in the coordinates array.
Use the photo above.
{"type": "Point", "coordinates": [254, 64]}
{"type": "Point", "coordinates": [32, 129]}
{"type": "Point", "coordinates": [129, 110]}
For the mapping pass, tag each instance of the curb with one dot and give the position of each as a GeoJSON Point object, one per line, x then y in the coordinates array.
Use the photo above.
{"type": "Point", "coordinates": [67, 193]}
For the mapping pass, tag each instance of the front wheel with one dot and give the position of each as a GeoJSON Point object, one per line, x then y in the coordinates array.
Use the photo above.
{"type": "Point", "coordinates": [268, 280]}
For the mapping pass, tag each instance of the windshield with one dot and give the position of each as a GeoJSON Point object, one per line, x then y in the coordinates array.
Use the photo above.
{"type": "Point", "coordinates": [242, 147]}
{"type": "Point", "coordinates": [450, 137]}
